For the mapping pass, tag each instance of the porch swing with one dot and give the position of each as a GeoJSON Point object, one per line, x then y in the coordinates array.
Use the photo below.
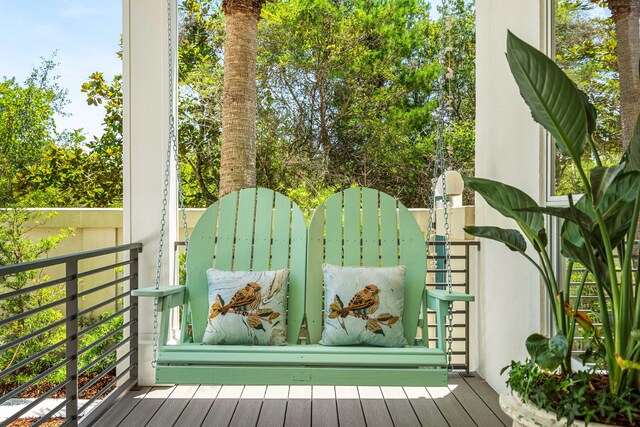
{"type": "Point", "coordinates": [262, 230]}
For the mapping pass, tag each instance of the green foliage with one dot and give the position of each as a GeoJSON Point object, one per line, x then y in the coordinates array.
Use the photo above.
{"type": "Point", "coordinates": [16, 247]}
{"type": "Point", "coordinates": [579, 395]}
{"type": "Point", "coordinates": [27, 124]}
{"type": "Point", "coordinates": [598, 231]}
{"type": "Point", "coordinates": [585, 50]}
{"type": "Point", "coordinates": [347, 94]}
{"type": "Point", "coordinates": [95, 334]}
{"type": "Point", "coordinates": [547, 353]}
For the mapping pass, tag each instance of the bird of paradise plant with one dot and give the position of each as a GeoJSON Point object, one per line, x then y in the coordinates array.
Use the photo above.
{"type": "Point", "coordinates": [598, 230]}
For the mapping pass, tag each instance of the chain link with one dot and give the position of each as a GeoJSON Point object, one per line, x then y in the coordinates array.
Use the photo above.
{"type": "Point", "coordinates": [172, 151]}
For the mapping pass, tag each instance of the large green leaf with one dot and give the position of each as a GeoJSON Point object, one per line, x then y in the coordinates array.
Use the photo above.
{"type": "Point", "coordinates": [508, 200]}
{"type": "Point", "coordinates": [512, 238]}
{"type": "Point", "coordinates": [632, 155]}
{"type": "Point", "coordinates": [554, 100]}
{"type": "Point", "coordinates": [621, 192]}
{"type": "Point", "coordinates": [601, 180]}
{"type": "Point", "coordinates": [592, 113]}
{"type": "Point", "coordinates": [569, 214]}
{"type": "Point", "coordinates": [547, 353]}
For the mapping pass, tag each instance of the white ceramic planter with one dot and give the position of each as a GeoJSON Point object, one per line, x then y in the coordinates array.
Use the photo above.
{"type": "Point", "coordinates": [527, 415]}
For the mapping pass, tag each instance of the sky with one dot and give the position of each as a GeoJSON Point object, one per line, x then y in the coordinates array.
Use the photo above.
{"type": "Point", "coordinates": [86, 36]}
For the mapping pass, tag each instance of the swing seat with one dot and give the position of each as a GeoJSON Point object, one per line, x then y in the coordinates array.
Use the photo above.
{"type": "Point", "coordinates": [258, 229]}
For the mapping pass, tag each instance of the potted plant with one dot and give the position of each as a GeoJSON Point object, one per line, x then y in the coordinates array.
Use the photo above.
{"type": "Point", "coordinates": [597, 235]}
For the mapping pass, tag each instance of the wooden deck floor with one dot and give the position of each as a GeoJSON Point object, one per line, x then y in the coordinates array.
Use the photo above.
{"type": "Point", "coordinates": [468, 401]}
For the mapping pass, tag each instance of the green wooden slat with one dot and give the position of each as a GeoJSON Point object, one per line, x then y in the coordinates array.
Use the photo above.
{"type": "Point", "coordinates": [370, 238]}
{"type": "Point", "coordinates": [226, 231]}
{"type": "Point", "coordinates": [413, 255]}
{"type": "Point", "coordinates": [279, 375]}
{"type": "Point", "coordinates": [397, 359]}
{"type": "Point", "coordinates": [352, 220]}
{"type": "Point", "coordinates": [262, 234]}
{"type": "Point", "coordinates": [388, 231]}
{"type": "Point", "coordinates": [315, 255]}
{"type": "Point", "coordinates": [281, 233]}
{"type": "Point", "coordinates": [333, 234]}
{"type": "Point", "coordinates": [298, 265]}
{"type": "Point", "coordinates": [244, 230]}
{"type": "Point", "coordinates": [199, 259]}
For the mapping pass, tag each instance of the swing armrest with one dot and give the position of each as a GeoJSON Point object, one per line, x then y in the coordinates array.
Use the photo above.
{"type": "Point", "coordinates": [174, 295]}
{"type": "Point", "coordinates": [439, 301]}
{"type": "Point", "coordinates": [443, 295]}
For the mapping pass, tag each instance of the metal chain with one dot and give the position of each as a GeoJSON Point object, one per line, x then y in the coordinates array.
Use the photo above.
{"type": "Point", "coordinates": [172, 149]}
{"type": "Point", "coordinates": [439, 165]}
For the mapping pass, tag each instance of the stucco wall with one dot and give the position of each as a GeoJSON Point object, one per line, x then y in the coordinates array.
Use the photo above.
{"type": "Point", "coordinates": [509, 148]}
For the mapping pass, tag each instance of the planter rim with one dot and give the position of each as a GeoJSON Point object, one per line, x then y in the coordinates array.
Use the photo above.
{"type": "Point", "coordinates": [525, 414]}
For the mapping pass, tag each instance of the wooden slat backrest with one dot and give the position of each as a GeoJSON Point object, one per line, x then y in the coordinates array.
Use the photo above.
{"type": "Point", "coordinates": [252, 229]}
{"type": "Point", "coordinates": [365, 227]}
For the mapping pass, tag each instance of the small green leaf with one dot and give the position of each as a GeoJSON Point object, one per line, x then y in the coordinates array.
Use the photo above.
{"type": "Point", "coordinates": [547, 353]}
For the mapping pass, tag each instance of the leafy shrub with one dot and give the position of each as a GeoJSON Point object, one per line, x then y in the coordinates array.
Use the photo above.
{"type": "Point", "coordinates": [583, 395]}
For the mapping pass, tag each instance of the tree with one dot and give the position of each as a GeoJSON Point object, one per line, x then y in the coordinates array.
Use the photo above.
{"type": "Point", "coordinates": [586, 51]}
{"type": "Point", "coordinates": [348, 93]}
{"type": "Point", "coordinates": [76, 173]}
{"type": "Point", "coordinates": [626, 16]}
{"type": "Point", "coordinates": [27, 123]}
{"type": "Point", "coordinates": [238, 151]}
{"type": "Point", "coordinates": [200, 47]}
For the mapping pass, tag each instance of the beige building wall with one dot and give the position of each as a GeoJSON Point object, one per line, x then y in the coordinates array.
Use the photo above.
{"type": "Point", "coordinates": [509, 148]}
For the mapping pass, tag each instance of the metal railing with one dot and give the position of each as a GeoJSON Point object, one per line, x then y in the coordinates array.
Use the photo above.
{"type": "Point", "coordinates": [461, 278]}
{"type": "Point", "coordinates": [113, 353]}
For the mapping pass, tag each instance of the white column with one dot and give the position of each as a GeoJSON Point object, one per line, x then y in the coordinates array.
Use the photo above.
{"type": "Point", "coordinates": [509, 148]}
{"type": "Point", "coordinates": [145, 131]}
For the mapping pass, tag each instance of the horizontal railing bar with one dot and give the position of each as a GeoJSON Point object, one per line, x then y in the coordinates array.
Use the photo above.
{"type": "Point", "coordinates": [32, 335]}
{"type": "Point", "coordinates": [103, 303]}
{"type": "Point", "coordinates": [435, 339]}
{"type": "Point", "coordinates": [106, 370]}
{"type": "Point", "coordinates": [32, 265]}
{"type": "Point", "coordinates": [109, 385]}
{"type": "Point", "coordinates": [33, 357]}
{"type": "Point", "coordinates": [32, 381]}
{"type": "Point", "coordinates": [37, 401]}
{"type": "Point", "coordinates": [105, 320]}
{"type": "Point", "coordinates": [105, 285]}
{"type": "Point", "coordinates": [105, 268]}
{"type": "Point", "coordinates": [35, 310]}
{"type": "Point", "coordinates": [44, 418]}
{"type": "Point", "coordinates": [105, 354]}
{"type": "Point", "coordinates": [106, 337]}
{"type": "Point", "coordinates": [28, 289]}
{"type": "Point", "coordinates": [444, 270]}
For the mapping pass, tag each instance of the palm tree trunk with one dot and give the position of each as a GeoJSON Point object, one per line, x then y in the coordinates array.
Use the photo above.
{"type": "Point", "coordinates": [626, 14]}
{"type": "Point", "coordinates": [239, 99]}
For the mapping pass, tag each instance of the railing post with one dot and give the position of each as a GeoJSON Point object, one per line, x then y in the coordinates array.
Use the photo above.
{"type": "Point", "coordinates": [133, 302]}
{"type": "Point", "coordinates": [72, 344]}
{"type": "Point", "coordinates": [467, 276]}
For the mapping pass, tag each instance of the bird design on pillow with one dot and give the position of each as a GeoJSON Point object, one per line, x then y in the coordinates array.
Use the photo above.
{"type": "Point", "coordinates": [246, 298]}
{"type": "Point", "coordinates": [362, 306]}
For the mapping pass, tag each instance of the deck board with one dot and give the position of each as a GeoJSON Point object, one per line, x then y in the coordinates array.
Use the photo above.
{"type": "Point", "coordinates": [468, 401]}
{"type": "Point", "coordinates": [475, 407]}
{"type": "Point", "coordinates": [272, 413]}
{"type": "Point", "coordinates": [488, 396]}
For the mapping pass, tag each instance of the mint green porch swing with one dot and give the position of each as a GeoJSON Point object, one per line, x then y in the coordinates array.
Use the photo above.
{"type": "Point", "coordinates": [259, 230]}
